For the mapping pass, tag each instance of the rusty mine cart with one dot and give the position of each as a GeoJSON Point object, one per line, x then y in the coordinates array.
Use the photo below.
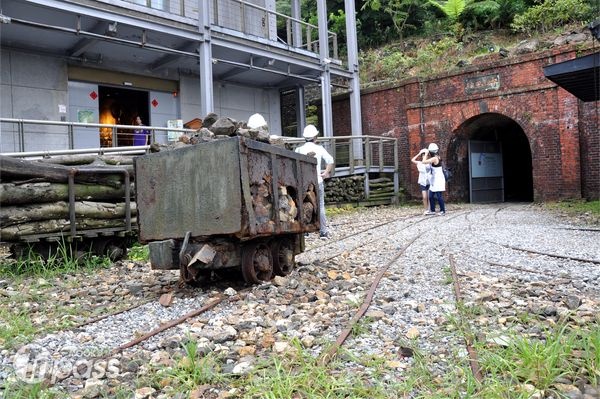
{"type": "Point", "coordinates": [224, 205]}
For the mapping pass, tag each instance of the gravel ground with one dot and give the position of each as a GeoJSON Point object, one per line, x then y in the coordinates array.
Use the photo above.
{"type": "Point", "coordinates": [411, 307]}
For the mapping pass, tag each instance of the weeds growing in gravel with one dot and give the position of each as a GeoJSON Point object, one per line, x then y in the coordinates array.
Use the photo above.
{"type": "Point", "coordinates": [589, 209]}
{"type": "Point", "coordinates": [16, 327]}
{"type": "Point", "coordinates": [577, 206]}
{"type": "Point", "coordinates": [561, 354]}
{"type": "Point", "coordinates": [362, 326]}
{"type": "Point", "coordinates": [191, 370]}
{"type": "Point", "coordinates": [59, 261]}
{"type": "Point", "coordinates": [300, 374]}
{"type": "Point", "coordinates": [23, 390]}
{"type": "Point", "coordinates": [138, 252]}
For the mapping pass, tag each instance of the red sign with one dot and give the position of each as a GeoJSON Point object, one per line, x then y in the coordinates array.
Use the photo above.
{"type": "Point", "coordinates": [93, 95]}
{"type": "Point", "coordinates": [154, 103]}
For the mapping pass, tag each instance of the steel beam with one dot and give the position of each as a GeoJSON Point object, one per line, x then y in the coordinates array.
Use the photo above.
{"type": "Point", "coordinates": [205, 52]}
{"type": "Point", "coordinates": [139, 22]}
{"type": "Point", "coordinates": [355, 111]}
{"type": "Point", "coordinates": [300, 110]}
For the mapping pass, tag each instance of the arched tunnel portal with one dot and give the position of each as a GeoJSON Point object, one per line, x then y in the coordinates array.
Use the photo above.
{"type": "Point", "coordinates": [490, 158]}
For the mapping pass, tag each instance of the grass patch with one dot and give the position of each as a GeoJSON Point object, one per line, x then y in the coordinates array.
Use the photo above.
{"type": "Point", "coordinates": [191, 371]}
{"type": "Point", "coordinates": [60, 259]}
{"type": "Point", "coordinates": [362, 326]}
{"type": "Point", "coordinates": [22, 390]}
{"type": "Point", "coordinates": [138, 252]}
{"type": "Point", "coordinates": [561, 354]}
{"type": "Point", "coordinates": [347, 209]}
{"type": "Point", "coordinates": [16, 327]}
{"type": "Point", "coordinates": [576, 207]}
{"type": "Point", "coordinates": [300, 375]}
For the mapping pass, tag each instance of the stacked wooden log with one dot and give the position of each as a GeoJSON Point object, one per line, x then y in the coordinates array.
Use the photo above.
{"type": "Point", "coordinates": [381, 189]}
{"type": "Point", "coordinates": [34, 195]}
{"type": "Point", "coordinates": [345, 189]}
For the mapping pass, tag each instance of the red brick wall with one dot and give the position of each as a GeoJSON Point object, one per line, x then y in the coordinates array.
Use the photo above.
{"type": "Point", "coordinates": [556, 124]}
{"type": "Point", "coordinates": [589, 130]}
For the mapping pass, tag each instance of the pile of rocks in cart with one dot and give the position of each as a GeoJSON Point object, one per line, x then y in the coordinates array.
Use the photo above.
{"type": "Point", "coordinates": [214, 127]}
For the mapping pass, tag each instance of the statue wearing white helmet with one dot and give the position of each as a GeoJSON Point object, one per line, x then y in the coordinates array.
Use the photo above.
{"type": "Point", "coordinates": [311, 148]}
{"type": "Point", "coordinates": [256, 121]}
{"type": "Point", "coordinates": [310, 132]}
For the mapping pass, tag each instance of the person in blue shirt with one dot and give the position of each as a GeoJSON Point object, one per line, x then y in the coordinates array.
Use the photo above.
{"type": "Point", "coordinates": [141, 136]}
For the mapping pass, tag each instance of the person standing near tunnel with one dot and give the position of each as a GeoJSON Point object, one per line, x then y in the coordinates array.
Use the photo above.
{"type": "Point", "coordinates": [437, 181]}
{"type": "Point", "coordinates": [423, 182]}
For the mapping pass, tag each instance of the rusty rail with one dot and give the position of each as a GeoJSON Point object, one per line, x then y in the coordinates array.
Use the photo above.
{"type": "Point", "coordinates": [473, 360]}
{"type": "Point", "coordinates": [171, 324]}
{"type": "Point", "coordinates": [597, 262]}
{"type": "Point", "coordinates": [331, 352]}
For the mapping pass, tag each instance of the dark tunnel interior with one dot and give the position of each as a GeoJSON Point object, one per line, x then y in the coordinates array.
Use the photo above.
{"type": "Point", "coordinates": [516, 152]}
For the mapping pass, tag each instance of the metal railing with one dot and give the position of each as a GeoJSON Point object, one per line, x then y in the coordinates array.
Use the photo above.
{"type": "Point", "coordinates": [380, 156]}
{"type": "Point", "coordinates": [251, 19]}
{"type": "Point", "coordinates": [48, 137]}
{"type": "Point", "coordinates": [380, 153]}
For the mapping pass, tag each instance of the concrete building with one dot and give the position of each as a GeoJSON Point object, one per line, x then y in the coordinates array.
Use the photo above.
{"type": "Point", "coordinates": [108, 61]}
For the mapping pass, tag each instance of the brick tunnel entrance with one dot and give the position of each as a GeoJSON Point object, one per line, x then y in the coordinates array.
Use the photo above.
{"type": "Point", "coordinates": [516, 168]}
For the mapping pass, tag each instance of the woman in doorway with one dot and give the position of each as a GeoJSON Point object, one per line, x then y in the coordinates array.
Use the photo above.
{"type": "Point", "coordinates": [141, 135]}
{"type": "Point", "coordinates": [437, 179]}
{"type": "Point", "coordinates": [423, 181]}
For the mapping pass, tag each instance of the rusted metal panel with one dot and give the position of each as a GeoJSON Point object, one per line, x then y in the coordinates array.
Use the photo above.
{"type": "Point", "coordinates": [196, 189]}
{"type": "Point", "coordinates": [236, 187]}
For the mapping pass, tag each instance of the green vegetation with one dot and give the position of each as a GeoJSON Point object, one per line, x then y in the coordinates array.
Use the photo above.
{"type": "Point", "coordinates": [191, 370]}
{"type": "Point", "coordinates": [362, 326]}
{"type": "Point", "coordinates": [403, 38]}
{"type": "Point", "coordinates": [559, 354]}
{"type": "Point", "coordinates": [138, 253]}
{"type": "Point", "coordinates": [59, 260]}
{"type": "Point", "coordinates": [16, 327]}
{"type": "Point", "coordinates": [576, 207]}
{"type": "Point", "coordinates": [341, 210]}
{"type": "Point", "coordinates": [30, 391]}
{"type": "Point", "coordinates": [552, 14]}
{"type": "Point", "coordinates": [299, 374]}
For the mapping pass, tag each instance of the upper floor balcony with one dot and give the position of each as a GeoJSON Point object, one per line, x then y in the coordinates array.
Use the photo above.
{"type": "Point", "coordinates": [252, 42]}
{"type": "Point", "coordinates": [256, 20]}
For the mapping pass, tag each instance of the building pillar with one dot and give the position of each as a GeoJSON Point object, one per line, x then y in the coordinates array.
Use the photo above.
{"type": "Point", "coordinates": [205, 58]}
{"type": "Point", "coordinates": [325, 73]}
{"type": "Point", "coordinates": [296, 26]}
{"type": "Point", "coordinates": [355, 108]}
{"type": "Point", "coordinates": [300, 111]}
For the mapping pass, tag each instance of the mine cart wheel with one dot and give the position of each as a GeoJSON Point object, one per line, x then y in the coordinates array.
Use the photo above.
{"type": "Point", "coordinates": [257, 263]}
{"type": "Point", "coordinates": [283, 256]}
{"type": "Point", "coordinates": [197, 279]}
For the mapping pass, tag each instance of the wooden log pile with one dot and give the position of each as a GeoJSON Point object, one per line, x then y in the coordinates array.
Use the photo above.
{"type": "Point", "coordinates": [345, 189]}
{"type": "Point", "coordinates": [381, 189]}
{"type": "Point", "coordinates": [34, 195]}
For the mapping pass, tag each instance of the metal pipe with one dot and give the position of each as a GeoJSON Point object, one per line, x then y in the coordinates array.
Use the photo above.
{"type": "Point", "coordinates": [242, 65]}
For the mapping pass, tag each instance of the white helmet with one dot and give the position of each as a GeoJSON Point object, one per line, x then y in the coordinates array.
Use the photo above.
{"type": "Point", "coordinates": [433, 148]}
{"type": "Point", "coordinates": [310, 131]}
{"type": "Point", "coordinates": [256, 121]}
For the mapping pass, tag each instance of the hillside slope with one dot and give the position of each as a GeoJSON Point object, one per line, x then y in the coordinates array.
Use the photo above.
{"type": "Point", "coordinates": [431, 56]}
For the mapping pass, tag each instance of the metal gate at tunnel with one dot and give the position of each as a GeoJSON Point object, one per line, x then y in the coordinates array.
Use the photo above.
{"type": "Point", "coordinates": [486, 176]}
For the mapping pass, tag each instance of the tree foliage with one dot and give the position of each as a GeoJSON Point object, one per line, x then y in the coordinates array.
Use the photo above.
{"type": "Point", "coordinates": [383, 21]}
{"type": "Point", "coordinates": [551, 14]}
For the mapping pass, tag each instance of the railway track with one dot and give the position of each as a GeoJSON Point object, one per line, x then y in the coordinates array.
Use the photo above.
{"type": "Point", "coordinates": [389, 277]}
